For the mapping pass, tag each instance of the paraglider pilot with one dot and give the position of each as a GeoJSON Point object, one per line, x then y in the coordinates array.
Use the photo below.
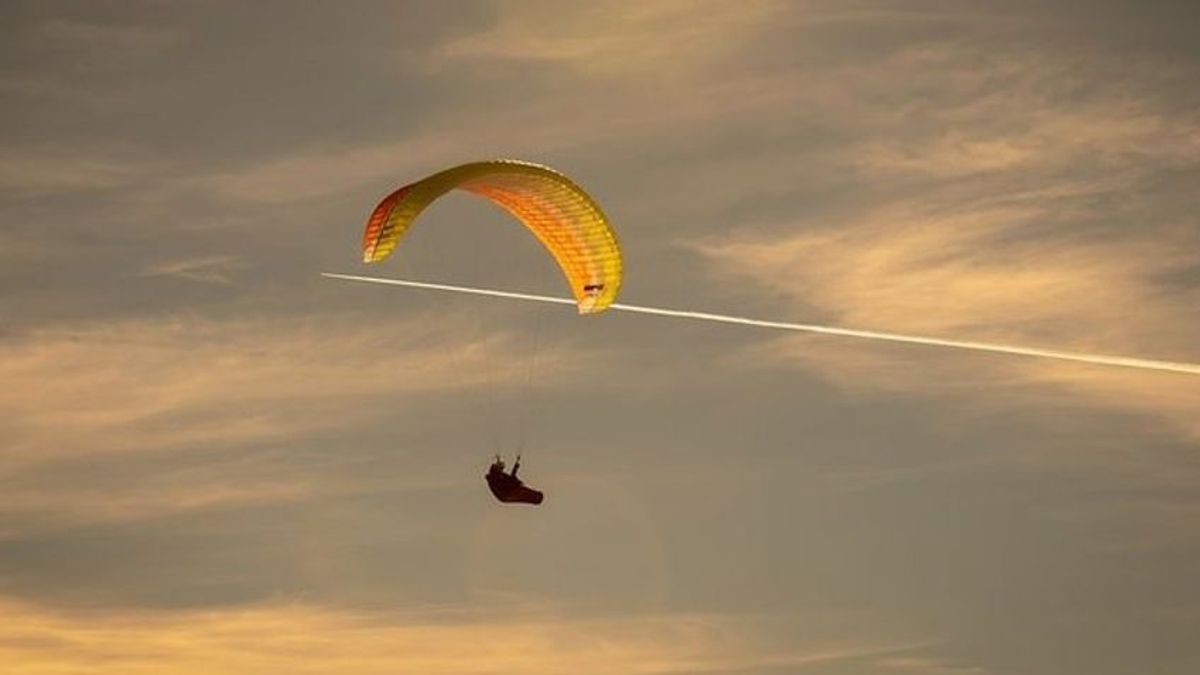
{"type": "Point", "coordinates": [507, 487]}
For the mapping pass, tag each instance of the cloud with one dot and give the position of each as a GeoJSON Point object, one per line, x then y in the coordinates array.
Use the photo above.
{"type": "Point", "coordinates": [673, 42]}
{"type": "Point", "coordinates": [994, 208]}
{"type": "Point", "coordinates": [38, 172]}
{"type": "Point", "coordinates": [985, 111]}
{"type": "Point", "coordinates": [630, 40]}
{"type": "Point", "coordinates": [86, 34]}
{"type": "Point", "coordinates": [36, 503]}
{"type": "Point", "coordinates": [982, 119]}
{"type": "Point", "coordinates": [301, 638]}
{"type": "Point", "coordinates": [565, 123]}
{"type": "Point", "coordinates": [916, 665]}
{"type": "Point", "coordinates": [199, 389]}
{"type": "Point", "coordinates": [56, 88]}
{"type": "Point", "coordinates": [208, 270]}
{"type": "Point", "coordinates": [312, 173]}
{"type": "Point", "coordinates": [21, 247]}
{"type": "Point", "coordinates": [958, 276]}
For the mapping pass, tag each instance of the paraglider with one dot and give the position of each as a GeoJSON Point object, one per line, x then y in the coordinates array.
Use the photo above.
{"type": "Point", "coordinates": [507, 487]}
{"type": "Point", "coordinates": [564, 218]}
{"type": "Point", "coordinates": [558, 212]}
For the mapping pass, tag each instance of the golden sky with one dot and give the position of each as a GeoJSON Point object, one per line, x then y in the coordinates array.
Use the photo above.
{"type": "Point", "coordinates": [212, 460]}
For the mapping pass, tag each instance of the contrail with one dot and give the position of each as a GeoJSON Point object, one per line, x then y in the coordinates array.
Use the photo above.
{"type": "Point", "coordinates": [1096, 359]}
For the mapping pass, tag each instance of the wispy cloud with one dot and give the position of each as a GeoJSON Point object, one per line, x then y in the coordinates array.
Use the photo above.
{"type": "Point", "coordinates": [958, 277]}
{"type": "Point", "coordinates": [89, 34]}
{"type": "Point", "coordinates": [188, 385]}
{"type": "Point", "coordinates": [225, 379]}
{"type": "Point", "coordinates": [917, 665]}
{"type": "Point", "coordinates": [994, 209]}
{"type": "Point", "coordinates": [316, 172]}
{"type": "Point", "coordinates": [671, 43]}
{"type": "Point", "coordinates": [218, 269]}
{"type": "Point", "coordinates": [652, 41]}
{"type": "Point", "coordinates": [300, 638]}
{"type": "Point", "coordinates": [37, 172]}
{"type": "Point", "coordinates": [37, 503]}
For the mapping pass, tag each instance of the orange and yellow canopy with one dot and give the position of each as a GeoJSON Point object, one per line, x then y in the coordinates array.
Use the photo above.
{"type": "Point", "coordinates": [558, 212]}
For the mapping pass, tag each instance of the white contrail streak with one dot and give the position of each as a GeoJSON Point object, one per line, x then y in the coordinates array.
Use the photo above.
{"type": "Point", "coordinates": [1096, 359]}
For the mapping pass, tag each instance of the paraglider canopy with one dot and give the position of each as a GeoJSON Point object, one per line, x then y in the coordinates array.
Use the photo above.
{"type": "Point", "coordinates": [558, 212]}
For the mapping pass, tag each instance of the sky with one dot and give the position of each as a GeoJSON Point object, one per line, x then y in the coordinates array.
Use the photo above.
{"type": "Point", "coordinates": [213, 460]}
